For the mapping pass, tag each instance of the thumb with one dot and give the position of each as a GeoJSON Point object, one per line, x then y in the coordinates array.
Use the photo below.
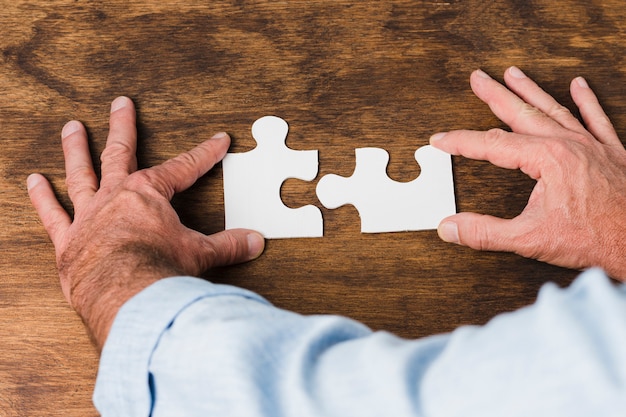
{"type": "Point", "coordinates": [479, 231]}
{"type": "Point", "coordinates": [230, 247]}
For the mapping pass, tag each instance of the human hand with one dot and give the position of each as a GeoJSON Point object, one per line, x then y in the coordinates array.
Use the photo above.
{"type": "Point", "coordinates": [125, 234]}
{"type": "Point", "coordinates": [576, 213]}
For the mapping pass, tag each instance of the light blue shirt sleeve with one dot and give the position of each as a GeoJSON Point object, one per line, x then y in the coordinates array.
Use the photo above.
{"type": "Point", "coordinates": [187, 347]}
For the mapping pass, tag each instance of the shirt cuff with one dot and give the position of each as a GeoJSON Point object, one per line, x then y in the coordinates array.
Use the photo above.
{"type": "Point", "coordinates": [122, 385]}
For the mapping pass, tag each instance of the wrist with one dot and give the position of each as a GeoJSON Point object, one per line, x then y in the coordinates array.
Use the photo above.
{"type": "Point", "coordinates": [611, 248]}
{"type": "Point", "coordinates": [100, 287]}
{"type": "Point", "coordinates": [616, 265]}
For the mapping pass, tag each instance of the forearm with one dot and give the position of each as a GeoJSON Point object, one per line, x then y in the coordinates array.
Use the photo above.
{"type": "Point", "coordinates": [220, 350]}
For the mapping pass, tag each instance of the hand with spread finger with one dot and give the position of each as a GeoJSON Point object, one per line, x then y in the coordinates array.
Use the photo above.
{"type": "Point", "coordinates": [125, 234]}
{"type": "Point", "coordinates": [576, 213]}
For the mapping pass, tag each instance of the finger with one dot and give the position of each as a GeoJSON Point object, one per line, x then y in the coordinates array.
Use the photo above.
{"type": "Point", "coordinates": [592, 113]}
{"type": "Point", "coordinates": [230, 247]}
{"type": "Point", "coordinates": [520, 116]}
{"type": "Point", "coordinates": [119, 156]}
{"type": "Point", "coordinates": [55, 219]}
{"type": "Point", "coordinates": [479, 231]}
{"type": "Point", "coordinates": [534, 95]}
{"type": "Point", "coordinates": [80, 177]}
{"type": "Point", "coordinates": [504, 149]}
{"type": "Point", "coordinates": [183, 171]}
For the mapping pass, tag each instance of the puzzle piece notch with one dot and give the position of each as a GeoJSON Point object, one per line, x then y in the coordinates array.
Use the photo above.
{"type": "Point", "coordinates": [252, 182]}
{"type": "Point", "coordinates": [385, 205]}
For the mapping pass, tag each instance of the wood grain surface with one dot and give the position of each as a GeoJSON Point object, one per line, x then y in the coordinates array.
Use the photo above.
{"type": "Point", "coordinates": [344, 75]}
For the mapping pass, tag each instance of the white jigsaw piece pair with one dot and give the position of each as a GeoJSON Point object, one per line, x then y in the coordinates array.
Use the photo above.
{"type": "Point", "coordinates": [252, 183]}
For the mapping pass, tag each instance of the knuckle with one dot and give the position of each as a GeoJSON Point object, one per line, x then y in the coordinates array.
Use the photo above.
{"type": "Point", "coordinates": [77, 175]}
{"type": "Point", "coordinates": [567, 152]}
{"type": "Point", "coordinates": [541, 242]}
{"type": "Point", "coordinates": [139, 180]}
{"type": "Point", "coordinates": [556, 147]}
{"type": "Point", "coordinates": [225, 251]}
{"type": "Point", "coordinates": [480, 237]}
{"type": "Point", "coordinates": [233, 249]}
{"type": "Point", "coordinates": [209, 259]}
{"type": "Point", "coordinates": [605, 121]}
{"type": "Point", "coordinates": [52, 220]}
{"type": "Point", "coordinates": [117, 151]}
{"type": "Point", "coordinates": [80, 182]}
{"type": "Point", "coordinates": [495, 134]}
{"type": "Point", "coordinates": [146, 182]}
{"type": "Point", "coordinates": [578, 137]}
{"type": "Point", "coordinates": [530, 110]}
{"type": "Point", "coordinates": [558, 111]}
{"type": "Point", "coordinates": [498, 142]}
{"type": "Point", "coordinates": [149, 183]}
{"type": "Point", "coordinates": [528, 113]}
{"type": "Point", "coordinates": [189, 159]}
{"type": "Point", "coordinates": [188, 162]}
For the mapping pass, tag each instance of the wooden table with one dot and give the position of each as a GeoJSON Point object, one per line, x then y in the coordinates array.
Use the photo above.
{"type": "Point", "coordinates": [344, 75]}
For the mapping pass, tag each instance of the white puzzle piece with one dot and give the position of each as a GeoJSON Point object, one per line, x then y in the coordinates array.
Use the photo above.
{"type": "Point", "coordinates": [385, 205]}
{"type": "Point", "coordinates": [252, 182]}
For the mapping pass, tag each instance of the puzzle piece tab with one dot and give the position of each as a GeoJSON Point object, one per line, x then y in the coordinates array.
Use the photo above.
{"type": "Point", "coordinates": [252, 182]}
{"type": "Point", "coordinates": [385, 205]}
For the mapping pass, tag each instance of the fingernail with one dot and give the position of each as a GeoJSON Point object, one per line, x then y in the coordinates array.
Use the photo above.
{"type": "Point", "coordinates": [582, 82]}
{"type": "Point", "coordinates": [256, 244]}
{"type": "Point", "coordinates": [32, 181]}
{"type": "Point", "coordinates": [119, 103]}
{"type": "Point", "coordinates": [220, 136]}
{"type": "Point", "coordinates": [449, 232]}
{"type": "Point", "coordinates": [70, 127]}
{"type": "Point", "coordinates": [482, 74]}
{"type": "Point", "coordinates": [437, 136]}
{"type": "Point", "coordinates": [516, 72]}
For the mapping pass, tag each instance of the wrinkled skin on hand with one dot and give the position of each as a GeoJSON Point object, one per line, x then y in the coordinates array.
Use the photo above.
{"type": "Point", "coordinates": [125, 234]}
{"type": "Point", "coordinates": [576, 213]}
